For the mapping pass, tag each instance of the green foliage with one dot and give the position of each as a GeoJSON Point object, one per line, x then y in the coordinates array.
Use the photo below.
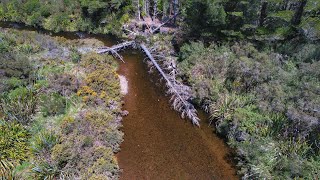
{"type": "Point", "coordinates": [75, 56]}
{"type": "Point", "coordinates": [43, 142]}
{"type": "Point", "coordinates": [104, 163]}
{"type": "Point", "coordinates": [13, 144]}
{"type": "Point", "coordinates": [45, 171]}
{"type": "Point", "coordinates": [205, 16]}
{"type": "Point", "coordinates": [19, 105]}
{"type": "Point", "coordinates": [56, 122]}
{"type": "Point", "coordinates": [256, 99]}
{"type": "Point", "coordinates": [100, 84]}
{"type": "Point", "coordinates": [15, 65]}
{"type": "Point", "coordinates": [52, 104]}
{"type": "Point", "coordinates": [13, 83]}
{"type": "Point", "coordinates": [71, 15]}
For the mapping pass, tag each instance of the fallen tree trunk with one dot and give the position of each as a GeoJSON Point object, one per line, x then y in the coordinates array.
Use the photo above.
{"type": "Point", "coordinates": [115, 48]}
{"type": "Point", "coordinates": [178, 91]}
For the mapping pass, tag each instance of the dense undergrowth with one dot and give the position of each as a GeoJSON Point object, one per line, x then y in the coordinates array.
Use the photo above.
{"type": "Point", "coordinates": [72, 15]}
{"type": "Point", "coordinates": [267, 104]}
{"type": "Point", "coordinates": [59, 111]}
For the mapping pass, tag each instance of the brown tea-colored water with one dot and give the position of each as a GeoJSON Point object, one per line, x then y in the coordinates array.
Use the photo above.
{"type": "Point", "coordinates": [158, 144]}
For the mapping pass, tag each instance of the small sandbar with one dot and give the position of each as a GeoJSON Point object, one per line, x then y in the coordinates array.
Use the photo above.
{"type": "Point", "coordinates": [123, 85]}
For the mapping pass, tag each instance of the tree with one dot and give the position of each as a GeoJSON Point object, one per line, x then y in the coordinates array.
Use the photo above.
{"type": "Point", "coordinates": [296, 19]}
{"type": "Point", "coordinates": [205, 16]}
{"type": "Point", "coordinates": [263, 13]}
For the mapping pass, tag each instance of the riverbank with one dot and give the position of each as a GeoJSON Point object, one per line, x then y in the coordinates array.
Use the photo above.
{"type": "Point", "coordinates": [62, 105]}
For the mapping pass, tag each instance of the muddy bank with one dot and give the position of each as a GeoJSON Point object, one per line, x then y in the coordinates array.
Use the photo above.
{"type": "Point", "coordinates": [158, 143]}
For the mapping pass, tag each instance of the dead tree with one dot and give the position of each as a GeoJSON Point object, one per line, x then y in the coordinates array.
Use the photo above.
{"type": "Point", "coordinates": [138, 9]}
{"type": "Point", "coordinates": [146, 7]}
{"type": "Point", "coordinates": [175, 10]}
{"type": "Point", "coordinates": [164, 23]}
{"type": "Point", "coordinates": [180, 93]}
{"type": "Point", "coordinates": [155, 9]}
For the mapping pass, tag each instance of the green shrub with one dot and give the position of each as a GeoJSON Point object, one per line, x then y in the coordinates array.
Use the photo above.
{"type": "Point", "coordinates": [45, 170]}
{"type": "Point", "coordinates": [104, 164]}
{"type": "Point", "coordinates": [62, 154]}
{"type": "Point", "coordinates": [52, 104]}
{"type": "Point", "coordinates": [14, 145]}
{"type": "Point", "coordinates": [43, 142]}
{"type": "Point", "coordinates": [19, 105]}
{"type": "Point", "coordinates": [13, 83]}
{"type": "Point", "coordinates": [262, 101]}
{"type": "Point", "coordinates": [4, 46]}
{"type": "Point", "coordinates": [75, 56]}
{"type": "Point", "coordinates": [16, 65]}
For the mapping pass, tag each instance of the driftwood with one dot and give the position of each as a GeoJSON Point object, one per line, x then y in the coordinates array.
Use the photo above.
{"type": "Point", "coordinates": [114, 49]}
{"type": "Point", "coordinates": [179, 92]}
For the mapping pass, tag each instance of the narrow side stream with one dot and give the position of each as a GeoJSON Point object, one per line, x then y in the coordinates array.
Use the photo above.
{"type": "Point", "coordinates": [158, 144]}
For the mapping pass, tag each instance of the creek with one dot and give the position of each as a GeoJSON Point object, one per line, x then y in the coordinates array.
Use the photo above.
{"type": "Point", "coordinates": [158, 144]}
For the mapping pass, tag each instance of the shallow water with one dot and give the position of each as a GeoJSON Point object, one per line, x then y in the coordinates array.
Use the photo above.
{"type": "Point", "coordinates": [158, 144]}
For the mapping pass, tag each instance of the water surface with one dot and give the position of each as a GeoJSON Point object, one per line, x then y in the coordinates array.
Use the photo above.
{"type": "Point", "coordinates": [158, 144]}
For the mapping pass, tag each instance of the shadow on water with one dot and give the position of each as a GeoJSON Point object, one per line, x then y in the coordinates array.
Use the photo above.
{"type": "Point", "coordinates": [158, 144]}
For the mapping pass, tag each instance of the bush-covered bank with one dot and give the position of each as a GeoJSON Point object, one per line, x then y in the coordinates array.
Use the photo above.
{"type": "Point", "coordinates": [60, 110]}
{"type": "Point", "coordinates": [265, 103]}
{"type": "Point", "coordinates": [73, 15]}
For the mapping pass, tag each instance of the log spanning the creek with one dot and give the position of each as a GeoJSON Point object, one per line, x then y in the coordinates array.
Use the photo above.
{"type": "Point", "coordinates": [180, 94]}
{"type": "Point", "coordinates": [114, 49]}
